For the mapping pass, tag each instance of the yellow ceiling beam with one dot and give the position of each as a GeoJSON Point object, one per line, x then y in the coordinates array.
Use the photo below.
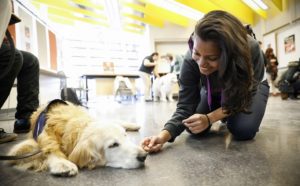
{"type": "Point", "coordinates": [65, 14]}
{"type": "Point", "coordinates": [133, 30]}
{"type": "Point", "coordinates": [238, 9]}
{"type": "Point", "coordinates": [201, 5]}
{"type": "Point", "coordinates": [256, 9]}
{"type": "Point", "coordinates": [89, 4]}
{"type": "Point", "coordinates": [278, 4]}
{"type": "Point", "coordinates": [235, 7]}
{"type": "Point", "coordinates": [65, 6]}
{"type": "Point", "coordinates": [134, 25]}
{"type": "Point", "coordinates": [146, 19]}
{"type": "Point", "coordinates": [159, 12]}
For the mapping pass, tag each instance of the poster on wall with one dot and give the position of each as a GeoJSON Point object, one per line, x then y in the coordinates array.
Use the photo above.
{"type": "Point", "coordinates": [289, 44]}
{"type": "Point", "coordinates": [108, 66]}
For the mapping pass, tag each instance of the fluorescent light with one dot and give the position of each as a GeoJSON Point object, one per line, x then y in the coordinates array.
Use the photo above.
{"type": "Point", "coordinates": [252, 4]}
{"type": "Point", "coordinates": [261, 4]}
{"type": "Point", "coordinates": [256, 4]}
{"type": "Point", "coordinates": [178, 8]}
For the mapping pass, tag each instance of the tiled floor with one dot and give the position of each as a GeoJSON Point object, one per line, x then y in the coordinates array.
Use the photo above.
{"type": "Point", "coordinates": [273, 158]}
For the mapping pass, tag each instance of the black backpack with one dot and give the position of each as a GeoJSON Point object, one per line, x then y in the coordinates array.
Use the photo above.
{"type": "Point", "coordinates": [69, 94]}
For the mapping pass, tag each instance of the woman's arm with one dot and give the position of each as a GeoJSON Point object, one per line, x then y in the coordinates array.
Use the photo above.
{"type": "Point", "coordinates": [199, 122]}
{"type": "Point", "coordinates": [189, 97]}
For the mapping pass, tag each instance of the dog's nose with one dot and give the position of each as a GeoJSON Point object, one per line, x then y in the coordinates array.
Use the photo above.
{"type": "Point", "coordinates": [141, 158]}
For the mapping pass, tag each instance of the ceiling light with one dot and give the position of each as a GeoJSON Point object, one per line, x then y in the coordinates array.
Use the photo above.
{"type": "Point", "coordinates": [256, 4]}
{"type": "Point", "coordinates": [261, 4]}
{"type": "Point", "coordinates": [178, 8]}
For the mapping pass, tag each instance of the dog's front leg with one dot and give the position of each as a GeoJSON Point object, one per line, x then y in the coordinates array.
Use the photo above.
{"type": "Point", "coordinates": [61, 167]}
{"type": "Point", "coordinates": [163, 95]}
{"type": "Point", "coordinates": [56, 160]}
{"type": "Point", "coordinates": [170, 97]}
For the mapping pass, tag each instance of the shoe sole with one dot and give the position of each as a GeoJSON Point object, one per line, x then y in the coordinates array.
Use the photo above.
{"type": "Point", "coordinates": [9, 139]}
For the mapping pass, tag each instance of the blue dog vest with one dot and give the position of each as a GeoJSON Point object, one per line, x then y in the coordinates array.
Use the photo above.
{"type": "Point", "coordinates": [41, 121]}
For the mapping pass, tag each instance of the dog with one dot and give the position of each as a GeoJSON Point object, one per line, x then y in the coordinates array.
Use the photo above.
{"type": "Point", "coordinates": [162, 87]}
{"type": "Point", "coordinates": [72, 139]}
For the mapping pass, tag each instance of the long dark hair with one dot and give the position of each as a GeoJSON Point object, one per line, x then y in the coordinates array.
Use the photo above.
{"type": "Point", "coordinates": [235, 68]}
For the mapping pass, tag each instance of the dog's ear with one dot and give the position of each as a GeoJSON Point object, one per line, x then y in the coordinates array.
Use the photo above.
{"type": "Point", "coordinates": [87, 154]}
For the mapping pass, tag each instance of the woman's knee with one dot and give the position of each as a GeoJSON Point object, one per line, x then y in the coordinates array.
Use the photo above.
{"type": "Point", "coordinates": [243, 132]}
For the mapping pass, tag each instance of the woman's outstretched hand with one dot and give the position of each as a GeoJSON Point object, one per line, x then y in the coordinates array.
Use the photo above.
{"type": "Point", "coordinates": [152, 144]}
{"type": "Point", "coordinates": [155, 143]}
{"type": "Point", "coordinates": [196, 123]}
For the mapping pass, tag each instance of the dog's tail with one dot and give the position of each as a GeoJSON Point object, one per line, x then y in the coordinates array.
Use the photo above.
{"type": "Point", "coordinates": [34, 162]}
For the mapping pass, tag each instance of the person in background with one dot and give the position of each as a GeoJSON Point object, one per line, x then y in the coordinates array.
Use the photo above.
{"type": "Point", "coordinates": [23, 66]}
{"type": "Point", "coordinates": [265, 59]}
{"type": "Point", "coordinates": [146, 69]}
{"type": "Point", "coordinates": [176, 65]}
{"type": "Point", "coordinates": [221, 78]}
{"type": "Point", "coordinates": [272, 70]}
{"type": "Point", "coordinates": [170, 60]}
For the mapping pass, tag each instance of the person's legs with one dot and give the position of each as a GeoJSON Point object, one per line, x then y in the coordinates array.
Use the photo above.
{"type": "Point", "coordinates": [28, 92]}
{"type": "Point", "coordinates": [147, 85]}
{"type": "Point", "coordinates": [28, 86]}
{"type": "Point", "coordinates": [7, 82]}
{"type": "Point", "coordinates": [244, 126]}
{"type": "Point", "coordinates": [296, 88]}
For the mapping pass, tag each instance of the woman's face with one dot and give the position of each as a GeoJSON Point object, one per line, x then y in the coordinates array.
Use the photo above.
{"type": "Point", "coordinates": [207, 55]}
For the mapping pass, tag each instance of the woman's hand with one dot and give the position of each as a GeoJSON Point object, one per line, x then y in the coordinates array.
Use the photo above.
{"type": "Point", "coordinates": [196, 123]}
{"type": "Point", "coordinates": [155, 143]}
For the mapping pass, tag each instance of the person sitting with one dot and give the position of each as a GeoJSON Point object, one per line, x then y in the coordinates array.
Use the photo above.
{"type": "Point", "coordinates": [289, 83]}
{"type": "Point", "coordinates": [23, 66]}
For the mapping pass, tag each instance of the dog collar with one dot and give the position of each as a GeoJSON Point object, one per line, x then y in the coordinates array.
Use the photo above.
{"type": "Point", "coordinates": [40, 123]}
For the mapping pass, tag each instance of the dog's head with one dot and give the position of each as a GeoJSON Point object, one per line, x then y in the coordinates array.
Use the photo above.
{"type": "Point", "coordinates": [107, 145]}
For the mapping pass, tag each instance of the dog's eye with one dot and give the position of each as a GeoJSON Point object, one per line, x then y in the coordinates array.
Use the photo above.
{"type": "Point", "coordinates": [114, 145]}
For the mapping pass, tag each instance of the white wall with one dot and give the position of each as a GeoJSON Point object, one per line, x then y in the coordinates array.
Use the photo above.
{"type": "Point", "coordinates": [277, 27]}
{"type": "Point", "coordinates": [168, 34]}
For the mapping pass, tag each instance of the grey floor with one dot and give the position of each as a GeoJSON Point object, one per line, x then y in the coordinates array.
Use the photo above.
{"type": "Point", "coordinates": [273, 158]}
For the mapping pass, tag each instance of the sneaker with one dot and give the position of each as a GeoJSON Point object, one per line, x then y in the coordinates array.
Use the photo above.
{"type": "Point", "coordinates": [6, 137]}
{"type": "Point", "coordinates": [21, 126]}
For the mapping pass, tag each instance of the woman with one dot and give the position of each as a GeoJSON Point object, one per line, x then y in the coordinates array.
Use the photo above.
{"type": "Point", "coordinates": [221, 78]}
{"type": "Point", "coordinates": [146, 68]}
{"type": "Point", "coordinates": [272, 70]}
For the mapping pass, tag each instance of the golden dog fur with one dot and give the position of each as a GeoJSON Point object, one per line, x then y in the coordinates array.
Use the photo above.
{"type": "Point", "coordinates": [71, 138]}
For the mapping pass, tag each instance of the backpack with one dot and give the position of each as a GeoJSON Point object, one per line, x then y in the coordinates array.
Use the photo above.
{"type": "Point", "coordinates": [69, 94]}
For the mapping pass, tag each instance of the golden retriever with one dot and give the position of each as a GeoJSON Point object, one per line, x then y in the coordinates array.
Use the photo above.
{"type": "Point", "coordinates": [72, 139]}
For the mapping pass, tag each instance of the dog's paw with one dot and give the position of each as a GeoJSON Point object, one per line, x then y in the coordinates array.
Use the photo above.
{"type": "Point", "coordinates": [62, 167]}
{"type": "Point", "coordinates": [130, 126]}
